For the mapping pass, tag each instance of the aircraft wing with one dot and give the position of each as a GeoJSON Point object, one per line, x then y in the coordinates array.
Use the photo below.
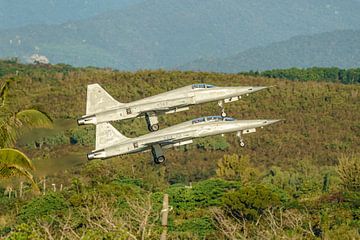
{"type": "Point", "coordinates": [163, 106]}
{"type": "Point", "coordinates": [176, 138]}
{"type": "Point", "coordinates": [161, 142]}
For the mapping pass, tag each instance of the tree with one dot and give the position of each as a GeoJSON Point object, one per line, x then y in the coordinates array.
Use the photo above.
{"type": "Point", "coordinates": [233, 167]}
{"type": "Point", "coordinates": [12, 125]}
{"type": "Point", "coordinates": [15, 163]}
{"type": "Point", "coordinates": [251, 200]}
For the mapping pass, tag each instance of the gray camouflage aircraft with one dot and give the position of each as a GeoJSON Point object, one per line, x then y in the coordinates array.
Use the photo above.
{"type": "Point", "coordinates": [101, 107]}
{"type": "Point", "coordinates": [110, 142]}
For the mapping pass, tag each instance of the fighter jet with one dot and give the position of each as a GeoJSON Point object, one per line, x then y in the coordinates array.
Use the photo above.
{"type": "Point", "coordinates": [110, 142]}
{"type": "Point", "coordinates": [101, 107]}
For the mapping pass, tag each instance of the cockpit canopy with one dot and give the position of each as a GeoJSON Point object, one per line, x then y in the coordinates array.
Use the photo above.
{"type": "Point", "coordinates": [202, 85]}
{"type": "Point", "coordinates": [212, 119]}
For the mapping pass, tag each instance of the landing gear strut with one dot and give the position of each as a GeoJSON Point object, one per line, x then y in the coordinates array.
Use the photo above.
{"type": "Point", "coordinates": [152, 122]}
{"type": "Point", "coordinates": [239, 135]}
{"type": "Point", "coordinates": [221, 104]}
{"type": "Point", "coordinates": [157, 154]}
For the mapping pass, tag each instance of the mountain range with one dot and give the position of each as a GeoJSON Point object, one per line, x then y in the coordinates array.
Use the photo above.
{"type": "Point", "coordinates": [170, 33]}
{"type": "Point", "coordinates": [333, 49]}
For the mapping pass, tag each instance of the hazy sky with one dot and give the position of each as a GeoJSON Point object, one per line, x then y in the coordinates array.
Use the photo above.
{"type": "Point", "coordinates": [17, 13]}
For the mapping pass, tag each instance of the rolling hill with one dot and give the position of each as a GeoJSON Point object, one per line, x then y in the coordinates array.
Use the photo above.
{"type": "Point", "coordinates": [169, 33]}
{"type": "Point", "coordinates": [310, 110]}
{"type": "Point", "coordinates": [338, 48]}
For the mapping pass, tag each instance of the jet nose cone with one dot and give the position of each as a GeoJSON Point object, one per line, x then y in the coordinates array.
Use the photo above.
{"type": "Point", "coordinates": [255, 89]}
{"type": "Point", "coordinates": [268, 122]}
{"type": "Point", "coordinates": [245, 90]}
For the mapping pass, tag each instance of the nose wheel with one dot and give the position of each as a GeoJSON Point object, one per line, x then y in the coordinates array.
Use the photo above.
{"type": "Point", "coordinates": [152, 122]}
{"type": "Point", "coordinates": [241, 140]}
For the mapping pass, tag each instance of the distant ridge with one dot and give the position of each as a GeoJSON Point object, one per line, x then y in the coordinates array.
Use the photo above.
{"type": "Point", "coordinates": [338, 48]}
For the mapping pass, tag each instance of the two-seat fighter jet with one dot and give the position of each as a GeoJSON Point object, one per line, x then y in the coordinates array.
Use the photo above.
{"type": "Point", "coordinates": [101, 107]}
{"type": "Point", "coordinates": [110, 142]}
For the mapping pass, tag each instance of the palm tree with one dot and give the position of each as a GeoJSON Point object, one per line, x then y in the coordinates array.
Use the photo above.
{"type": "Point", "coordinates": [14, 163]}
{"type": "Point", "coordinates": [12, 125]}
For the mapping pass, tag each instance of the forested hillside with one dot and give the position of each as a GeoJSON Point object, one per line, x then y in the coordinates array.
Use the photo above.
{"type": "Point", "coordinates": [334, 49]}
{"type": "Point", "coordinates": [298, 179]}
{"type": "Point", "coordinates": [170, 33]}
{"type": "Point", "coordinates": [334, 74]}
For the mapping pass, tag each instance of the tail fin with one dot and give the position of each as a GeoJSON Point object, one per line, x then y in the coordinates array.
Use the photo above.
{"type": "Point", "coordinates": [98, 100]}
{"type": "Point", "coordinates": [107, 135]}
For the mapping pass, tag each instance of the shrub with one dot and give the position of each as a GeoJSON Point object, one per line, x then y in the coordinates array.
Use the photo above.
{"type": "Point", "coordinates": [233, 167]}
{"type": "Point", "coordinates": [349, 172]}
{"type": "Point", "coordinates": [98, 234]}
{"type": "Point", "coordinates": [83, 136]}
{"type": "Point", "coordinates": [23, 232]}
{"type": "Point", "coordinates": [203, 194]}
{"type": "Point", "coordinates": [212, 143]}
{"type": "Point", "coordinates": [250, 201]}
{"type": "Point", "coordinates": [197, 226]}
{"type": "Point", "coordinates": [43, 207]}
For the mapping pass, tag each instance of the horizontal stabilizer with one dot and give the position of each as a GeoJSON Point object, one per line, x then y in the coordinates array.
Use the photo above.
{"type": "Point", "coordinates": [107, 135]}
{"type": "Point", "coordinates": [98, 100]}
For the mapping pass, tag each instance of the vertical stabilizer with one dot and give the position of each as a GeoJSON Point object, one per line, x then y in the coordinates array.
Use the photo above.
{"type": "Point", "coordinates": [107, 135]}
{"type": "Point", "coordinates": [98, 100]}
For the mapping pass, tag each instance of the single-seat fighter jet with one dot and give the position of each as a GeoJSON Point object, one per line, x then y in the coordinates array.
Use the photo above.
{"type": "Point", "coordinates": [101, 107]}
{"type": "Point", "coordinates": [110, 142]}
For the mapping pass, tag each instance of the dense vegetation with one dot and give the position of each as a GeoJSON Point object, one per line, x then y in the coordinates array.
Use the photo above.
{"type": "Point", "coordinates": [299, 179]}
{"type": "Point", "coordinates": [170, 33]}
{"type": "Point", "coordinates": [346, 76]}
{"type": "Point", "coordinates": [337, 48]}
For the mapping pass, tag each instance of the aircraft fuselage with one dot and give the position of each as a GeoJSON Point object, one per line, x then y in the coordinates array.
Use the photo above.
{"type": "Point", "coordinates": [180, 134]}
{"type": "Point", "coordinates": [169, 102]}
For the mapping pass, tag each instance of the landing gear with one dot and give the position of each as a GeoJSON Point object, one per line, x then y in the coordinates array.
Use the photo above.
{"type": "Point", "coordinates": [157, 154]}
{"type": "Point", "coordinates": [239, 135]}
{"type": "Point", "coordinates": [153, 128]}
{"type": "Point", "coordinates": [152, 122]}
{"type": "Point", "coordinates": [160, 159]}
{"type": "Point", "coordinates": [221, 104]}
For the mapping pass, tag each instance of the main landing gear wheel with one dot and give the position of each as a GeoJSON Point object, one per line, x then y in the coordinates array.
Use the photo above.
{"type": "Point", "coordinates": [157, 154]}
{"type": "Point", "coordinates": [223, 113]}
{"type": "Point", "coordinates": [159, 160]}
{"type": "Point", "coordinates": [154, 127]}
{"type": "Point", "coordinates": [242, 144]}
